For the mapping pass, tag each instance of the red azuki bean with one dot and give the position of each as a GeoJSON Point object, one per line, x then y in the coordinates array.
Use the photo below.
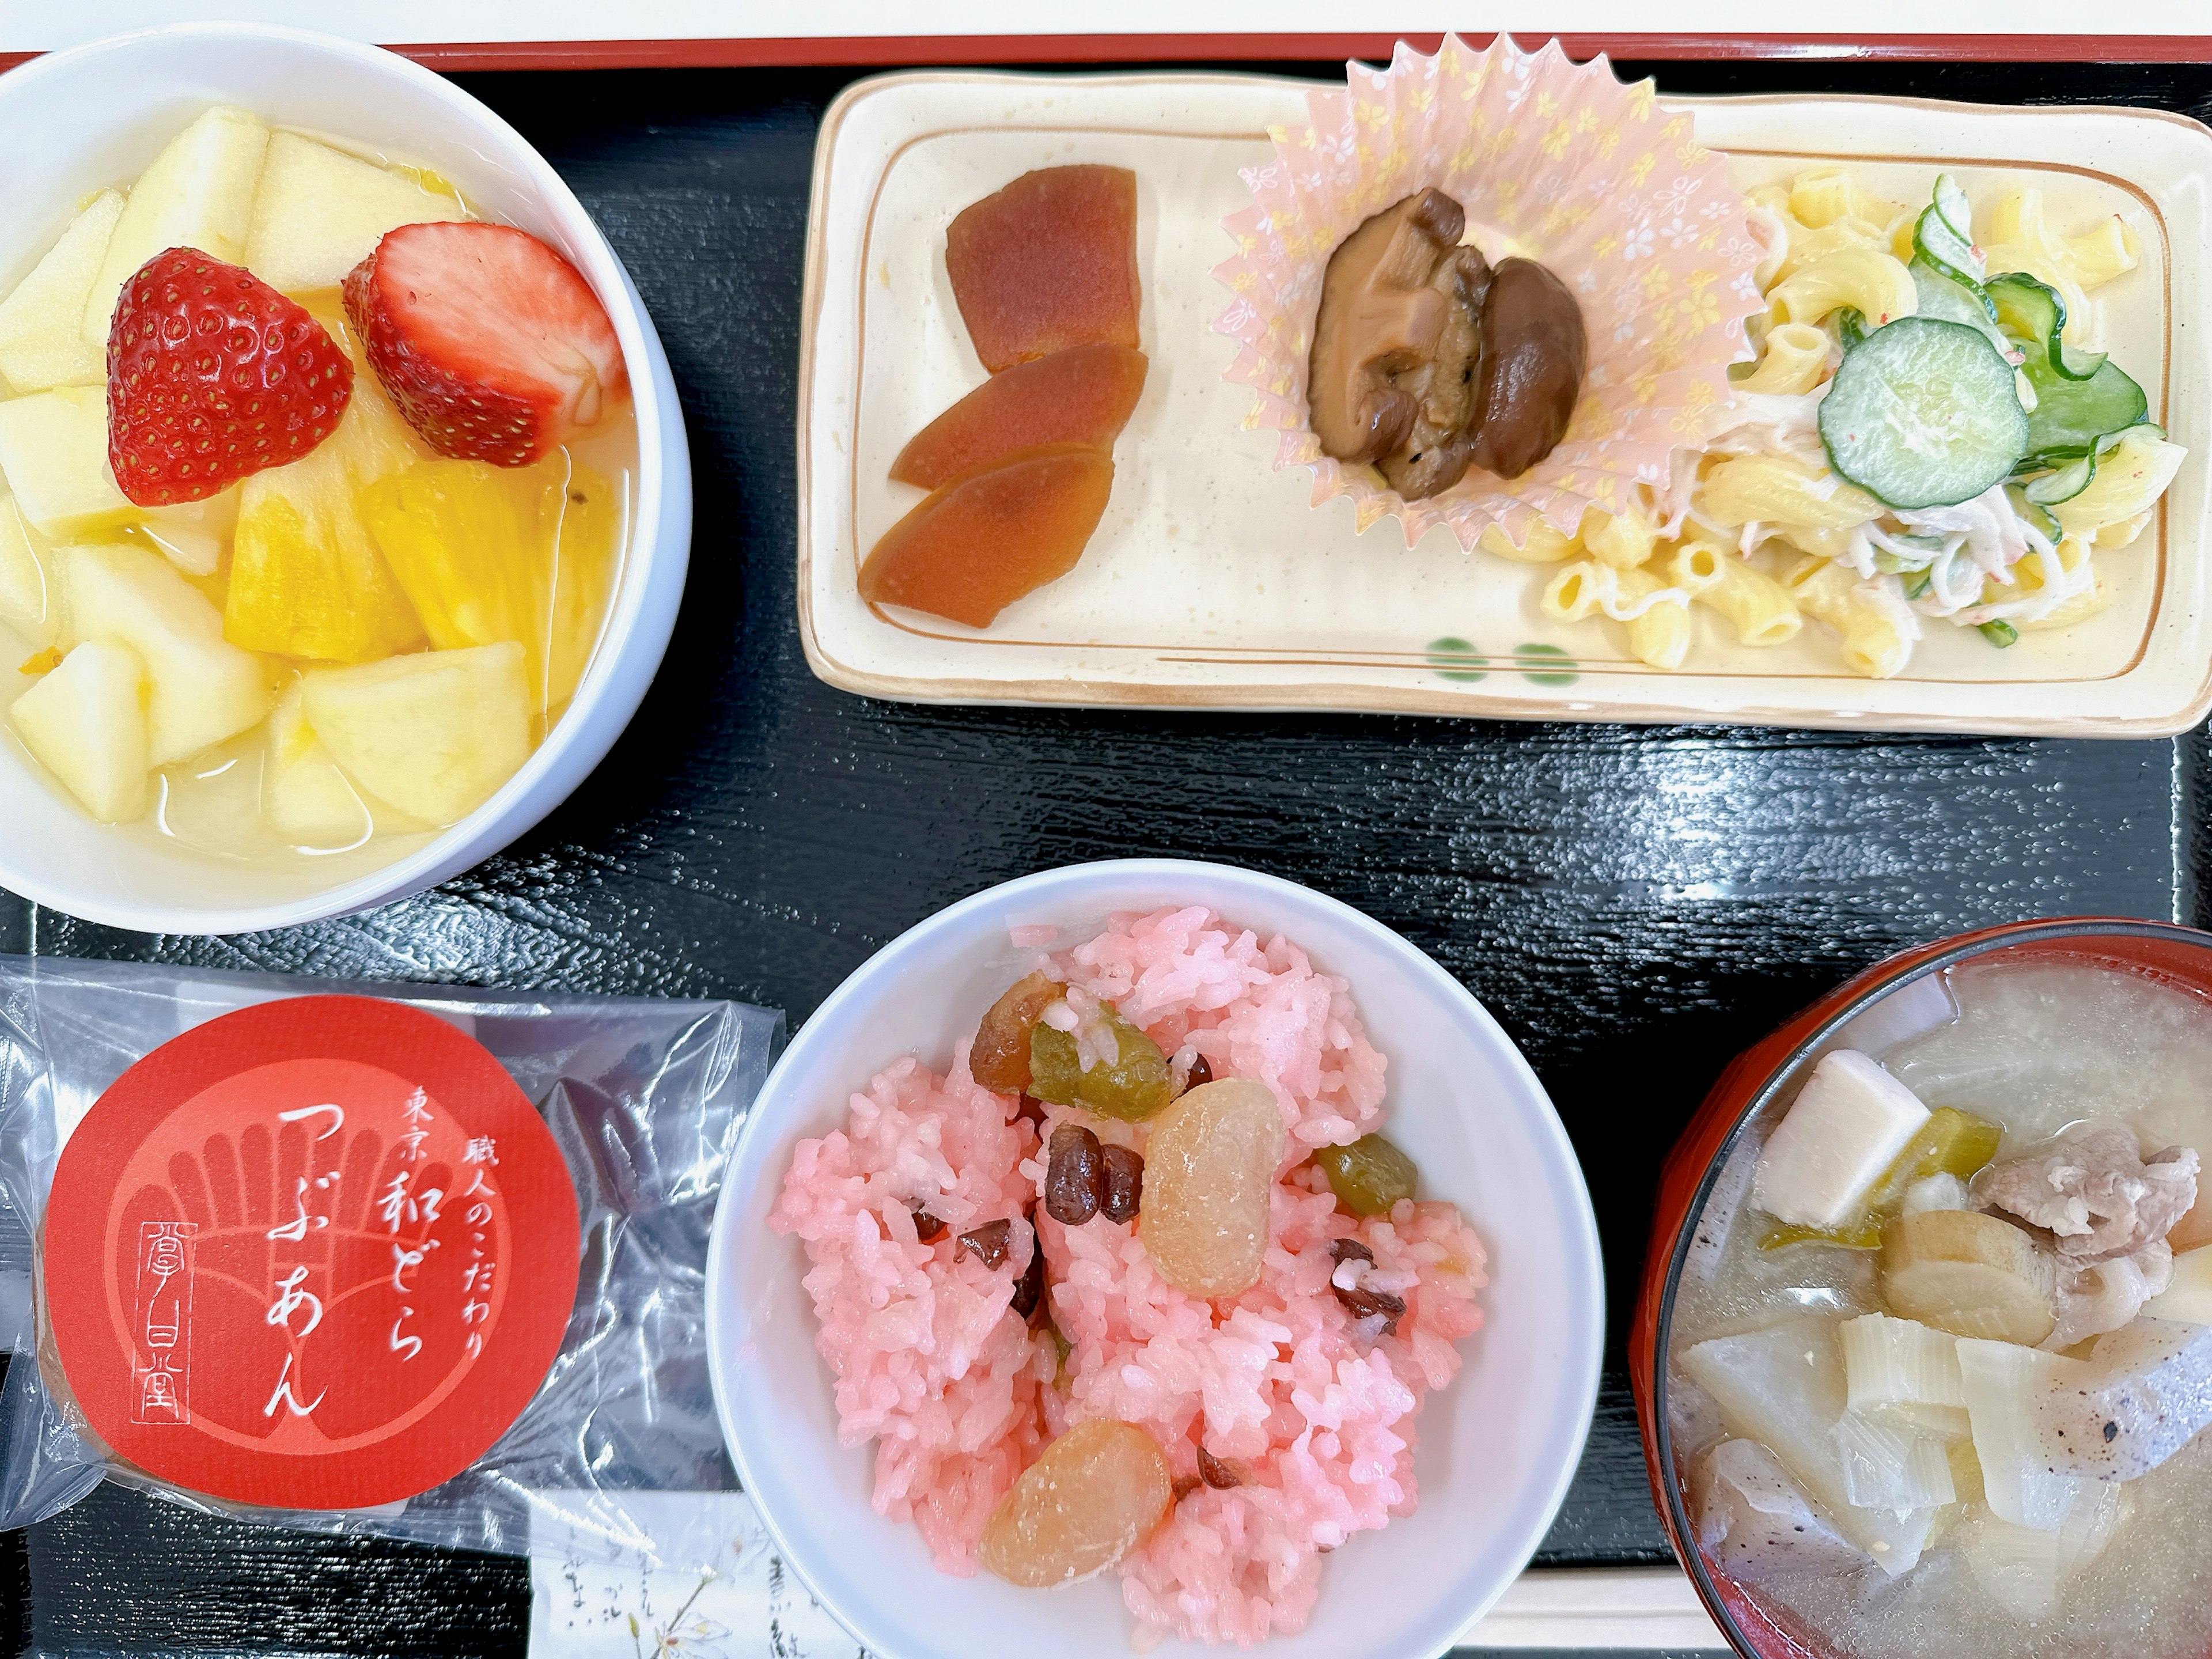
{"type": "Point", "coordinates": [990, 1241]}
{"type": "Point", "coordinates": [926, 1227]}
{"type": "Point", "coordinates": [1075, 1178]}
{"type": "Point", "coordinates": [1125, 1183]}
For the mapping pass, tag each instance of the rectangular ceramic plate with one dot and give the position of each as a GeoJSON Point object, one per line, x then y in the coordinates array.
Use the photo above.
{"type": "Point", "coordinates": [1212, 582]}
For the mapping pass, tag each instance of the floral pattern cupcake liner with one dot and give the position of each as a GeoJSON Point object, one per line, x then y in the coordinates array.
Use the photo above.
{"type": "Point", "coordinates": [1554, 161]}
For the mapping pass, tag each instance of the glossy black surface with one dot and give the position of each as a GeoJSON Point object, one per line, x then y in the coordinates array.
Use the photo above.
{"type": "Point", "coordinates": [1634, 904]}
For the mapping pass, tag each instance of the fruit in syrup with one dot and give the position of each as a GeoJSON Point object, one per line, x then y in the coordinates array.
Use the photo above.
{"type": "Point", "coordinates": [203, 689]}
{"type": "Point", "coordinates": [53, 451]}
{"type": "Point", "coordinates": [212, 376]}
{"type": "Point", "coordinates": [86, 723]}
{"type": "Point", "coordinates": [494, 346]}
{"type": "Point", "coordinates": [434, 733]}
{"type": "Point", "coordinates": [42, 341]}
{"type": "Point", "coordinates": [318, 212]}
{"type": "Point", "coordinates": [197, 193]}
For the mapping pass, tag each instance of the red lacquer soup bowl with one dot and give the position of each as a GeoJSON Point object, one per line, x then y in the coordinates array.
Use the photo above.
{"type": "Point", "coordinates": [1745, 1102]}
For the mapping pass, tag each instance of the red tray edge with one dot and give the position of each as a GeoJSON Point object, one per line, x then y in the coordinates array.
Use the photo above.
{"type": "Point", "coordinates": [888, 51]}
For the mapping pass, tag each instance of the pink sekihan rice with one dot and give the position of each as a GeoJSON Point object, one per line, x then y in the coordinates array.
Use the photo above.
{"type": "Point", "coordinates": [1310, 1407]}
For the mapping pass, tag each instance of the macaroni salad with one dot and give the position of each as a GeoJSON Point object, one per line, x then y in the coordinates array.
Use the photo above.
{"type": "Point", "coordinates": [1924, 437]}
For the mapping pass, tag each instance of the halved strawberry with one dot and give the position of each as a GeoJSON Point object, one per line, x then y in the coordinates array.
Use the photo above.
{"type": "Point", "coordinates": [212, 375]}
{"type": "Point", "coordinates": [491, 344]}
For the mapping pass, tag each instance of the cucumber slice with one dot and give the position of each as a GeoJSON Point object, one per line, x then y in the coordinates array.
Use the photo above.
{"type": "Point", "coordinates": [2033, 311]}
{"type": "Point", "coordinates": [1999, 634]}
{"type": "Point", "coordinates": [1949, 300]}
{"type": "Point", "coordinates": [2035, 513]}
{"type": "Point", "coordinates": [1923, 413]}
{"type": "Point", "coordinates": [2071, 479]}
{"type": "Point", "coordinates": [2064, 485]}
{"type": "Point", "coordinates": [1945, 235]}
{"type": "Point", "coordinates": [1851, 325]}
{"type": "Point", "coordinates": [2071, 416]}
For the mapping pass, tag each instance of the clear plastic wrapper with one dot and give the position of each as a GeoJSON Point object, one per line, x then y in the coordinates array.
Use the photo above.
{"type": "Point", "coordinates": [644, 1099]}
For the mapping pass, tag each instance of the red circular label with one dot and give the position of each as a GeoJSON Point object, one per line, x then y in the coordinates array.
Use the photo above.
{"type": "Point", "coordinates": [317, 1253]}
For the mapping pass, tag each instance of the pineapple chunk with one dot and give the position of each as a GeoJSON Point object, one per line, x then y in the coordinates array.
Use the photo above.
{"type": "Point", "coordinates": [53, 449]}
{"type": "Point", "coordinates": [583, 517]}
{"type": "Point", "coordinates": [319, 212]}
{"type": "Point", "coordinates": [42, 342]}
{"type": "Point", "coordinates": [204, 689]}
{"type": "Point", "coordinates": [308, 799]}
{"type": "Point", "coordinates": [487, 553]}
{"type": "Point", "coordinates": [306, 577]}
{"type": "Point", "coordinates": [435, 734]}
{"type": "Point", "coordinates": [27, 601]}
{"type": "Point", "coordinates": [198, 193]}
{"type": "Point", "coordinates": [86, 723]}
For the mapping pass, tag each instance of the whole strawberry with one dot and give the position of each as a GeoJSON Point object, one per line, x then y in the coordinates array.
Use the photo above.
{"type": "Point", "coordinates": [493, 346]}
{"type": "Point", "coordinates": [213, 375]}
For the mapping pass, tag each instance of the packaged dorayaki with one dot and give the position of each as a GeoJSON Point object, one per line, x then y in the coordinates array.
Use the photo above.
{"type": "Point", "coordinates": [389, 1259]}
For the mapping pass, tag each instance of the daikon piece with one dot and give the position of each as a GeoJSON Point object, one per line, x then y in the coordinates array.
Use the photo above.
{"type": "Point", "coordinates": [1784, 1386]}
{"type": "Point", "coordinates": [1757, 1525]}
{"type": "Point", "coordinates": [1889, 1467]}
{"type": "Point", "coordinates": [1905, 1373]}
{"type": "Point", "coordinates": [2187, 1297]}
{"type": "Point", "coordinates": [1842, 1133]}
{"type": "Point", "coordinates": [2017, 1567]}
{"type": "Point", "coordinates": [2144, 1393]}
{"type": "Point", "coordinates": [1968, 1273]}
{"type": "Point", "coordinates": [2004, 1384]}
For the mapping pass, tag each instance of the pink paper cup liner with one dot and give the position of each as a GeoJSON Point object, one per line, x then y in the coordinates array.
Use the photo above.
{"type": "Point", "coordinates": [1554, 161]}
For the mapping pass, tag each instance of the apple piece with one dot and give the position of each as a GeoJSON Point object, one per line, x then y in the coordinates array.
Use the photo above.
{"type": "Point", "coordinates": [308, 800]}
{"type": "Point", "coordinates": [197, 192]}
{"type": "Point", "coordinates": [192, 535]}
{"type": "Point", "coordinates": [318, 212]}
{"type": "Point", "coordinates": [86, 723]}
{"type": "Point", "coordinates": [204, 689]}
{"type": "Point", "coordinates": [434, 733]}
{"type": "Point", "coordinates": [27, 601]}
{"type": "Point", "coordinates": [42, 342]}
{"type": "Point", "coordinates": [53, 450]}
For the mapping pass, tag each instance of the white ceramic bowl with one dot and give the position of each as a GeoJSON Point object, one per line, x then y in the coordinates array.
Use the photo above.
{"type": "Point", "coordinates": [96, 115]}
{"type": "Point", "coordinates": [1496, 1450]}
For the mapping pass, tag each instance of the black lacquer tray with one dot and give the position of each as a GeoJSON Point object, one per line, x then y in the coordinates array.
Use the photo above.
{"type": "Point", "coordinates": [1635, 904]}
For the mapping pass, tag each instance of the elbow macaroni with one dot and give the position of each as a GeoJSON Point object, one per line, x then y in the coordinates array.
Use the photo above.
{"type": "Point", "coordinates": [1785, 492]}
{"type": "Point", "coordinates": [1874, 643]}
{"type": "Point", "coordinates": [1796, 361]}
{"type": "Point", "coordinates": [1872, 282]}
{"type": "Point", "coordinates": [1758, 607]}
